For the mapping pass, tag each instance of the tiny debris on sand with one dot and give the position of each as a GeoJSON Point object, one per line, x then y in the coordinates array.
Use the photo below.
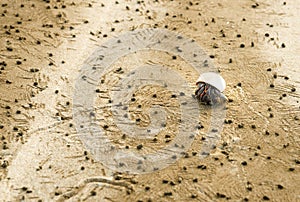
{"type": "Point", "coordinates": [254, 45]}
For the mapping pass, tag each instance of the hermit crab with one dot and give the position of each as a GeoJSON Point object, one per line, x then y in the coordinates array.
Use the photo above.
{"type": "Point", "coordinates": [210, 87]}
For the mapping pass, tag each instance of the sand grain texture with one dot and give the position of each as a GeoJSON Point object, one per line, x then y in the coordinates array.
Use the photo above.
{"type": "Point", "coordinates": [253, 43]}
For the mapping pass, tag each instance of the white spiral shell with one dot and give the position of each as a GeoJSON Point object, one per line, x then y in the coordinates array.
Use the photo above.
{"type": "Point", "coordinates": [213, 79]}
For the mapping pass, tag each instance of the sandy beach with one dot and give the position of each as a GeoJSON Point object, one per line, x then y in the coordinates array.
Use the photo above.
{"type": "Point", "coordinates": [49, 149]}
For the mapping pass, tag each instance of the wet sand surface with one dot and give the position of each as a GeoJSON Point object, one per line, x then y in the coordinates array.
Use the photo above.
{"type": "Point", "coordinates": [254, 44]}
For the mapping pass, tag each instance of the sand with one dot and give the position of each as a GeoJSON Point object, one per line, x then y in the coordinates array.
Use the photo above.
{"type": "Point", "coordinates": [253, 44]}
